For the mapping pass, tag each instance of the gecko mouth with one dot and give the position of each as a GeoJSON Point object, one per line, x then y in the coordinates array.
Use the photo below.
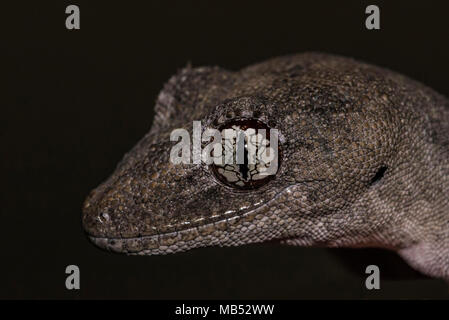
{"type": "Point", "coordinates": [232, 231]}
{"type": "Point", "coordinates": [212, 233]}
{"type": "Point", "coordinates": [158, 244]}
{"type": "Point", "coordinates": [224, 232]}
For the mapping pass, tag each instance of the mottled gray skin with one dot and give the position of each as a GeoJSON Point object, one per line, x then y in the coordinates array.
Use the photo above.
{"type": "Point", "coordinates": [340, 121]}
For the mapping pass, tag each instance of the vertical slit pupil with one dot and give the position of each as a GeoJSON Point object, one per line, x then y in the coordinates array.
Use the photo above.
{"type": "Point", "coordinates": [244, 167]}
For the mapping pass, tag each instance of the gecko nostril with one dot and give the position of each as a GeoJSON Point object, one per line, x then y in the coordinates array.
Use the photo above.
{"type": "Point", "coordinates": [104, 217]}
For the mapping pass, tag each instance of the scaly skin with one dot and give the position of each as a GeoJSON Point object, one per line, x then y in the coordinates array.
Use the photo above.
{"type": "Point", "coordinates": [341, 124]}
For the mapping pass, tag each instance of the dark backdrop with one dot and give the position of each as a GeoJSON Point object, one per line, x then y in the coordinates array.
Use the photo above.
{"type": "Point", "coordinates": [72, 102]}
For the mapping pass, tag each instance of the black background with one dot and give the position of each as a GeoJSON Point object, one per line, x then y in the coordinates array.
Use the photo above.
{"type": "Point", "coordinates": [73, 102]}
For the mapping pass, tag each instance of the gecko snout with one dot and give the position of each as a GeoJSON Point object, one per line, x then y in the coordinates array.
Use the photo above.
{"type": "Point", "coordinates": [96, 216]}
{"type": "Point", "coordinates": [107, 211]}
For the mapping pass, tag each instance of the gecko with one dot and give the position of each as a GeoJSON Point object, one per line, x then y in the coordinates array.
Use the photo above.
{"type": "Point", "coordinates": [364, 162]}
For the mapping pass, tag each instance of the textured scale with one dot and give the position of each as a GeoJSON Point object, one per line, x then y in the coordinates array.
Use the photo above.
{"type": "Point", "coordinates": [364, 163]}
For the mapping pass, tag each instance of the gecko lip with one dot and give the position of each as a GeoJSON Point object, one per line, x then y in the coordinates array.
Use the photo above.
{"type": "Point", "coordinates": [154, 244]}
{"type": "Point", "coordinates": [163, 243]}
{"type": "Point", "coordinates": [167, 242]}
{"type": "Point", "coordinates": [183, 239]}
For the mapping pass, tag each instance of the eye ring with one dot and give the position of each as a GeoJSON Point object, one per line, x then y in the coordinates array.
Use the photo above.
{"type": "Point", "coordinates": [247, 176]}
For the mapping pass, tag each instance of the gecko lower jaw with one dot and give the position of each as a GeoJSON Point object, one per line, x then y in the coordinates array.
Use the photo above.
{"type": "Point", "coordinates": [119, 245]}
{"type": "Point", "coordinates": [231, 231]}
{"type": "Point", "coordinates": [172, 242]}
{"type": "Point", "coordinates": [165, 243]}
{"type": "Point", "coordinates": [217, 233]}
{"type": "Point", "coordinates": [150, 245]}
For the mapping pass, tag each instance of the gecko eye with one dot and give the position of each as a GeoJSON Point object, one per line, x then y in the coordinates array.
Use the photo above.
{"type": "Point", "coordinates": [250, 154]}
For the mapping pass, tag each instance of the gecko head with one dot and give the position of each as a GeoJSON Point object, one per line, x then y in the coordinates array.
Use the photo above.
{"type": "Point", "coordinates": [152, 205]}
{"type": "Point", "coordinates": [328, 155]}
